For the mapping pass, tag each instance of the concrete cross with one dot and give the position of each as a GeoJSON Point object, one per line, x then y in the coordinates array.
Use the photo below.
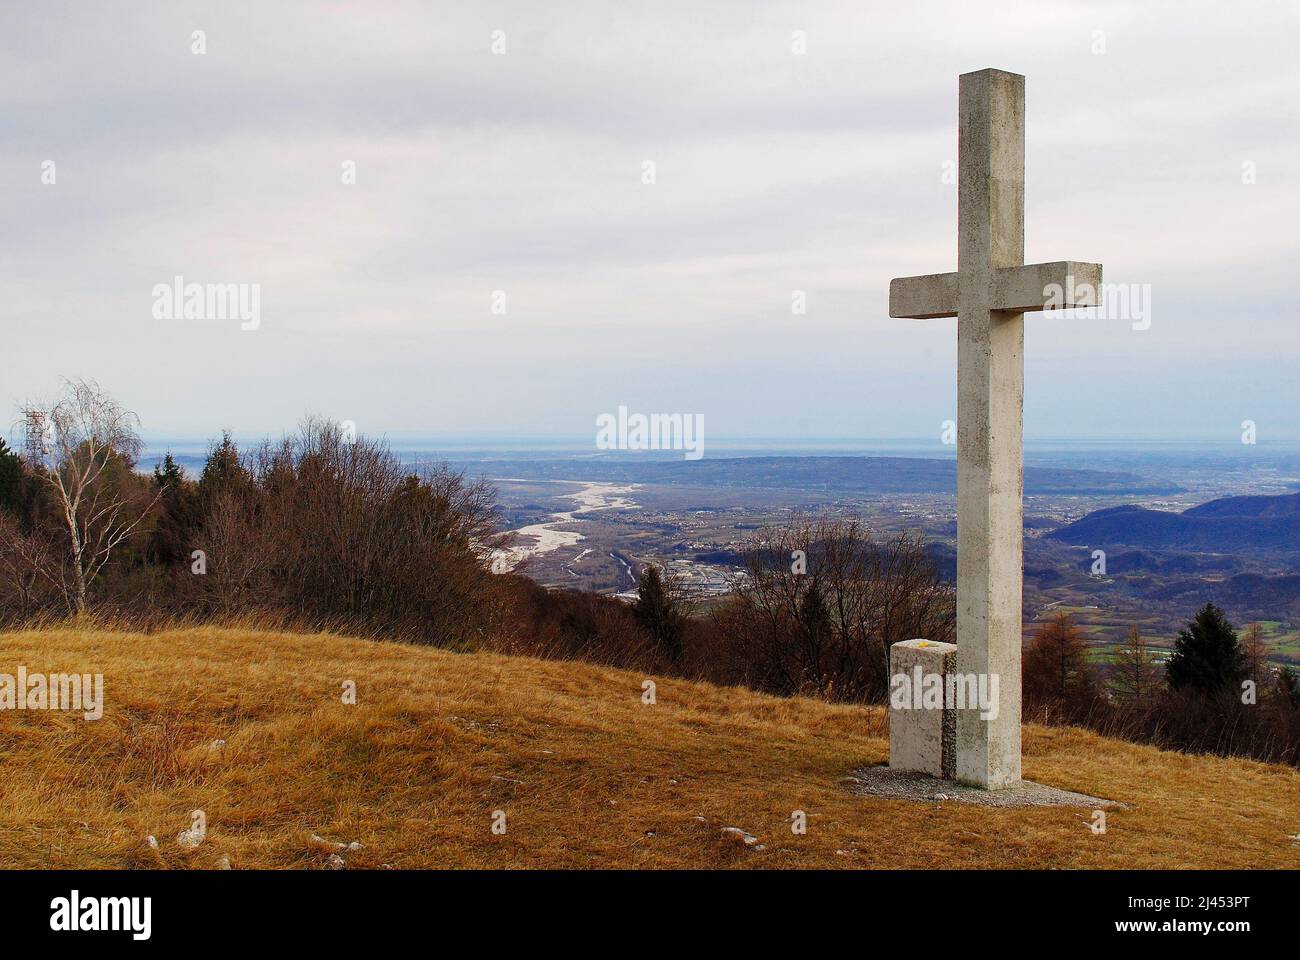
{"type": "Point", "coordinates": [989, 295]}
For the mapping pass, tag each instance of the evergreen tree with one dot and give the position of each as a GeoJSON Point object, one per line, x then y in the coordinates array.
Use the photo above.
{"type": "Point", "coordinates": [179, 514]}
{"type": "Point", "coordinates": [167, 474]}
{"type": "Point", "coordinates": [11, 479]}
{"type": "Point", "coordinates": [223, 470]}
{"type": "Point", "coordinates": [818, 630]}
{"type": "Point", "coordinates": [1288, 687]}
{"type": "Point", "coordinates": [1135, 670]}
{"type": "Point", "coordinates": [658, 612]}
{"type": "Point", "coordinates": [814, 616]}
{"type": "Point", "coordinates": [1207, 656]}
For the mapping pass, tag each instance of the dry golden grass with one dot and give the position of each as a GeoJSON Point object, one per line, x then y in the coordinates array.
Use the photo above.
{"type": "Point", "coordinates": [587, 774]}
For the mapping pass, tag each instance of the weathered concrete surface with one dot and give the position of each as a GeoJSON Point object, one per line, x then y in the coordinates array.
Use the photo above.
{"type": "Point", "coordinates": [1027, 288]}
{"type": "Point", "coordinates": [921, 737]}
{"type": "Point", "coordinates": [990, 399]}
{"type": "Point", "coordinates": [1017, 289]}
{"type": "Point", "coordinates": [924, 298]}
{"type": "Point", "coordinates": [988, 294]}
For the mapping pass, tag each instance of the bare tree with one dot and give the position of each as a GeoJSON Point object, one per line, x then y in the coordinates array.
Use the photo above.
{"type": "Point", "coordinates": [238, 554]}
{"type": "Point", "coordinates": [90, 448]}
{"type": "Point", "coordinates": [1134, 675]}
{"type": "Point", "coordinates": [819, 604]}
{"type": "Point", "coordinates": [1257, 653]}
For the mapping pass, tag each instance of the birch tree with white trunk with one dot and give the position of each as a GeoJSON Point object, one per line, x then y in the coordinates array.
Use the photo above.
{"type": "Point", "coordinates": [87, 434]}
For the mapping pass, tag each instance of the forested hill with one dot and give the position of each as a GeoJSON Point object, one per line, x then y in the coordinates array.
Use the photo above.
{"type": "Point", "coordinates": [1225, 525]}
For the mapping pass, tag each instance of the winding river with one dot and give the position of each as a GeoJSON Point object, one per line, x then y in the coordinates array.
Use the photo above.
{"type": "Point", "coordinates": [590, 498]}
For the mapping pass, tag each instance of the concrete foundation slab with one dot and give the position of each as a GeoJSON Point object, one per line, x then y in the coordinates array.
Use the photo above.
{"type": "Point", "coordinates": [890, 783]}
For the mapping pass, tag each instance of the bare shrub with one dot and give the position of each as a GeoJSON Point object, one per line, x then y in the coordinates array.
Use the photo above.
{"type": "Point", "coordinates": [341, 532]}
{"type": "Point", "coordinates": [31, 575]}
{"type": "Point", "coordinates": [567, 625]}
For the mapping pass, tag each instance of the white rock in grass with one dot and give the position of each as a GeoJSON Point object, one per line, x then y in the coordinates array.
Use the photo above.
{"type": "Point", "coordinates": [336, 862]}
{"type": "Point", "coordinates": [152, 841]}
{"type": "Point", "coordinates": [223, 863]}
{"type": "Point", "coordinates": [740, 836]}
{"type": "Point", "coordinates": [331, 845]}
{"type": "Point", "coordinates": [189, 839]}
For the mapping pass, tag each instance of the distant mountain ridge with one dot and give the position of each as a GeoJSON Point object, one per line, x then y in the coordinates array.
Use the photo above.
{"type": "Point", "coordinates": [1288, 504]}
{"type": "Point", "coordinates": [1226, 524]}
{"type": "Point", "coordinates": [839, 474]}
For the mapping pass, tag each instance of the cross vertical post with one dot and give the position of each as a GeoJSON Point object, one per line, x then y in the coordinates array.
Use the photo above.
{"type": "Point", "coordinates": [990, 397]}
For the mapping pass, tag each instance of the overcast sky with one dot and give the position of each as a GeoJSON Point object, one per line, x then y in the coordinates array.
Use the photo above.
{"type": "Point", "coordinates": [523, 172]}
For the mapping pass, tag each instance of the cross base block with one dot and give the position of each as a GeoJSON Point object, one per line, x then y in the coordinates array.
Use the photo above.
{"type": "Point", "coordinates": [922, 723]}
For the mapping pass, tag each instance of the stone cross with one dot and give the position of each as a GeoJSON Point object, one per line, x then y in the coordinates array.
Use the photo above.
{"type": "Point", "coordinates": [989, 295]}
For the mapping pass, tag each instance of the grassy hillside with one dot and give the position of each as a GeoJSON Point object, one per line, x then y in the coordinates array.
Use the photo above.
{"type": "Point", "coordinates": [587, 774]}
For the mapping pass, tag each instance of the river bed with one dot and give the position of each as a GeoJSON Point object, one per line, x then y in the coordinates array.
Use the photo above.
{"type": "Point", "coordinates": [592, 497]}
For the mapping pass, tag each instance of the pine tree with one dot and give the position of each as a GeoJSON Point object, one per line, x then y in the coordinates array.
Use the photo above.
{"type": "Point", "coordinates": [1287, 687]}
{"type": "Point", "coordinates": [167, 474]}
{"type": "Point", "coordinates": [11, 479]}
{"type": "Point", "coordinates": [659, 613]}
{"type": "Point", "coordinates": [1207, 656]}
{"type": "Point", "coordinates": [223, 470]}
{"type": "Point", "coordinates": [179, 514]}
{"type": "Point", "coordinates": [814, 620]}
{"type": "Point", "coordinates": [1134, 675]}
{"type": "Point", "coordinates": [813, 615]}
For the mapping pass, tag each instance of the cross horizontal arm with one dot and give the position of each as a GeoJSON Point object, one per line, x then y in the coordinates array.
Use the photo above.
{"type": "Point", "coordinates": [923, 298]}
{"type": "Point", "coordinates": [1047, 286]}
{"type": "Point", "coordinates": [1037, 286]}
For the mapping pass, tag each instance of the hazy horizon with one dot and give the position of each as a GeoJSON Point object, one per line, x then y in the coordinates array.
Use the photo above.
{"type": "Point", "coordinates": [571, 447]}
{"type": "Point", "coordinates": [578, 441]}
